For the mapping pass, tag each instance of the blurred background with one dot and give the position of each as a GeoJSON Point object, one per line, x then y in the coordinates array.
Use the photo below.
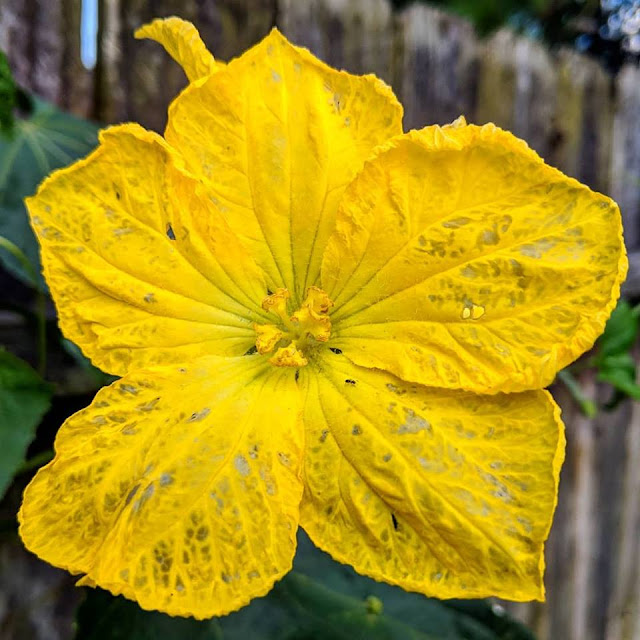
{"type": "Point", "coordinates": [562, 74]}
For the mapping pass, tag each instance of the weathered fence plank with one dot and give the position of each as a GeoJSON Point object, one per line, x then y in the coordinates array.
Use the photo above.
{"type": "Point", "coordinates": [437, 67]}
{"type": "Point", "coordinates": [517, 89]}
{"type": "Point", "coordinates": [583, 120]}
{"type": "Point", "coordinates": [127, 72]}
{"type": "Point", "coordinates": [354, 35]}
{"type": "Point", "coordinates": [623, 615]}
{"type": "Point", "coordinates": [625, 167]}
{"type": "Point", "coordinates": [565, 105]}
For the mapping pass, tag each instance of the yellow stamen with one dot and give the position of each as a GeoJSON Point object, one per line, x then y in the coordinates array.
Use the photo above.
{"type": "Point", "coordinates": [268, 337]}
{"type": "Point", "coordinates": [277, 303]}
{"type": "Point", "coordinates": [288, 357]}
{"type": "Point", "coordinates": [310, 324]}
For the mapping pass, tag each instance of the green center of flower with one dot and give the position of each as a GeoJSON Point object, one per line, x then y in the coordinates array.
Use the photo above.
{"type": "Point", "coordinates": [295, 336]}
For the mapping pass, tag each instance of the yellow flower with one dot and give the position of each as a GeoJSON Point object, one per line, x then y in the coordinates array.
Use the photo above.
{"type": "Point", "coordinates": [321, 322]}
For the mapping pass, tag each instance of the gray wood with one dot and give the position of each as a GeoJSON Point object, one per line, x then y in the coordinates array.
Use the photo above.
{"type": "Point", "coordinates": [567, 107]}
{"type": "Point", "coordinates": [625, 166]}
{"type": "Point", "coordinates": [437, 67]}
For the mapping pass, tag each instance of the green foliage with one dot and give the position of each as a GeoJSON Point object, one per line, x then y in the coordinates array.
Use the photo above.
{"type": "Point", "coordinates": [620, 333]}
{"type": "Point", "coordinates": [46, 140]}
{"type": "Point", "coordinates": [319, 600]}
{"type": "Point", "coordinates": [613, 361]}
{"type": "Point", "coordinates": [8, 96]}
{"type": "Point", "coordinates": [24, 399]}
{"type": "Point", "coordinates": [489, 15]}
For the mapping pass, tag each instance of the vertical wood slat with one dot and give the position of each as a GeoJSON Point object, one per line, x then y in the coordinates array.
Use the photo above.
{"type": "Point", "coordinates": [623, 614]}
{"type": "Point", "coordinates": [35, 44]}
{"type": "Point", "coordinates": [356, 35]}
{"type": "Point", "coordinates": [127, 87]}
{"type": "Point", "coordinates": [47, 49]}
{"type": "Point", "coordinates": [625, 166]}
{"type": "Point", "coordinates": [560, 552]}
{"type": "Point", "coordinates": [582, 530]}
{"type": "Point", "coordinates": [583, 120]}
{"type": "Point", "coordinates": [76, 85]}
{"type": "Point", "coordinates": [437, 75]}
{"type": "Point", "coordinates": [517, 89]}
{"type": "Point", "coordinates": [109, 92]}
{"type": "Point", "coordinates": [42, 41]}
{"type": "Point", "coordinates": [15, 38]}
{"type": "Point", "coordinates": [562, 103]}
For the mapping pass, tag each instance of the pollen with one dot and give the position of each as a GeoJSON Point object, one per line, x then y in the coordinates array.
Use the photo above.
{"type": "Point", "coordinates": [294, 337]}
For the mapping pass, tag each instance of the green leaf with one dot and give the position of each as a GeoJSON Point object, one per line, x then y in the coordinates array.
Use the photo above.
{"type": "Point", "coordinates": [319, 600]}
{"type": "Point", "coordinates": [619, 333]}
{"type": "Point", "coordinates": [102, 617]}
{"type": "Point", "coordinates": [24, 399]}
{"type": "Point", "coordinates": [622, 361]}
{"type": "Point", "coordinates": [48, 139]}
{"type": "Point", "coordinates": [622, 379]}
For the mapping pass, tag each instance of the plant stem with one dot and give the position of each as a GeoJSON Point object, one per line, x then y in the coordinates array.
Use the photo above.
{"type": "Point", "coordinates": [41, 301]}
{"type": "Point", "coordinates": [587, 406]}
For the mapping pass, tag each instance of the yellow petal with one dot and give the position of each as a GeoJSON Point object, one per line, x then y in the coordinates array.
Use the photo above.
{"type": "Point", "coordinates": [142, 267]}
{"type": "Point", "coordinates": [279, 135]}
{"type": "Point", "coordinates": [178, 487]}
{"type": "Point", "coordinates": [443, 492]}
{"type": "Point", "coordinates": [461, 260]}
{"type": "Point", "coordinates": [182, 42]}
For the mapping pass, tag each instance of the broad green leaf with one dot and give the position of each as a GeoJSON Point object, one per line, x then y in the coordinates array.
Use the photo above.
{"type": "Point", "coordinates": [24, 399]}
{"type": "Point", "coordinates": [102, 617]}
{"type": "Point", "coordinates": [319, 600]}
{"type": "Point", "coordinates": [48, 139]}
{"type": "Point", "coordinates": [417, 616]}
{"type": "Point", "coordinates": [620, 331]}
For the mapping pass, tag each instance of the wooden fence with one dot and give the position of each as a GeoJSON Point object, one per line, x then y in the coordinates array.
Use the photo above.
{"type": "Point", "coordinates": [576, 115]}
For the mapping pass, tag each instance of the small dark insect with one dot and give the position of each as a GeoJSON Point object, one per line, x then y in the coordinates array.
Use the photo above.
{"type": "Point", "coordinates": [251, 350]}
{"type": "Point", "coordinates": [395, 521]}
{"type": "Point", "coordinates": [351, 382]}
{"type": "Point", "coordinates": [335, 350]}
{"type": "Point", "coordinates": [170, 234]}
{"type": "Point", "coordinates": [297, 375]}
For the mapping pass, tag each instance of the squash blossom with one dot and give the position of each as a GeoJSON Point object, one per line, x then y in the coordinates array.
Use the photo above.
{"type": "Point", "coordinates": [321, 322]}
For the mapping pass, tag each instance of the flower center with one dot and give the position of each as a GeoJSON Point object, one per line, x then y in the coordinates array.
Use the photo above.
{"type": "Point", "coordinates": [295, 336]}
